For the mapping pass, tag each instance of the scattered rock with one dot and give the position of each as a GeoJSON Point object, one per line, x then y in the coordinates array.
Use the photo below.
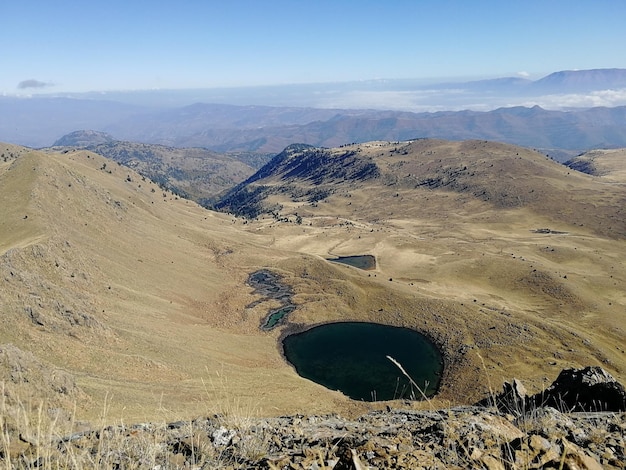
{"type": "Point", "coordinates": [21, 370]}
{"type": "Point", "coordinates": [588, 389]}
{"type": "Point", "coordinates": [468, 437]}
{"type": "Point", "coordinates": [511, 400]}
{"type": "Point", "coordinates": [223, 437]}
{"type": "Point", "coordinates": [455, 438]}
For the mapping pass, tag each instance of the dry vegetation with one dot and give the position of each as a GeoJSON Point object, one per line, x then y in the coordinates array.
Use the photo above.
{"type": "Point", "coordinates": [119, 295]}
{"type": "Point", "coordinates": [608, 164]}
{"type": "Point", "coordinates": [197, 174]}
{"type": "Point", "coordinates": [492, 249]}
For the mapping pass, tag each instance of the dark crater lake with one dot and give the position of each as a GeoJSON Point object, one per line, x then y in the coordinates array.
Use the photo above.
{"type": "Point", "coordinates": [352, 357]}
{"type": "Point", "coordinates": [366, 262]}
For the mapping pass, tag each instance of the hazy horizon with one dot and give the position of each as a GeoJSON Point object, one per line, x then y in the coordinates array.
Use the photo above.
{"type": "Point", "coordinates": [394, 95]}
{"type": "Point", "coordinates": [73, 47]}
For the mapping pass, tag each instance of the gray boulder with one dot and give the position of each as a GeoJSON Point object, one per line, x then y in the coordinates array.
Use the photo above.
{"type": "Point", "coordinates": [588, 389]}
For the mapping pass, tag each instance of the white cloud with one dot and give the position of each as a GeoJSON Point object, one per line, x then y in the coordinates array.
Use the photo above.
{"type": "Point", "coordinates": [608, 98]}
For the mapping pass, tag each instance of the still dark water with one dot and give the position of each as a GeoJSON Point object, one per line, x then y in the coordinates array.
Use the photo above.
{"type": "Point", "coordinates": [352, 357]}
{"type": "Point", "coordinates": [269, 285]}
{"type": "Point", "coordinates": [366, 262]}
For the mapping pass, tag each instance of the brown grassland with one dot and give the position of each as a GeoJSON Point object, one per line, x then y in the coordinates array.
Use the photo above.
{"type": "Point", "coordinates": [117, 295]}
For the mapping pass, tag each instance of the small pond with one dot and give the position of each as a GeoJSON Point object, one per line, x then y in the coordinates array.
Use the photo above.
{"type": "Point", "coordinates": [269, 286]}
{"type": "Point", "coordinates": [366, 262]}
{"type": "Point", "coordinates": [352, 357]}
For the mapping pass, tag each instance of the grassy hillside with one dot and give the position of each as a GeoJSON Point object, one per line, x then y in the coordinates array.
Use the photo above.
{"type": "Point", "coordinates": [194, 173]}
{"type": "Point", "coordinates": [119, 296]}
{"type": "Point", "coordinates": [136, 294]}
{"type": "Point", "coordinates": [522, 253]}
{"type": "Point", "coordinates": [608, 164]}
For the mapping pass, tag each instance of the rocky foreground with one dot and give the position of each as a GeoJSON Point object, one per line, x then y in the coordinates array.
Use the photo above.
{"type": "Point", "coordinates": [509, 431]}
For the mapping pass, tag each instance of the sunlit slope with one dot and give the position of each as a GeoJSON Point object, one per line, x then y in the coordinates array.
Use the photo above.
{"type": "Point", "coordinates": [16, 189]}
{"type": "Point", "coordinates": [196, 173]}
{"type": "Point", "coordinates": [434, 178]}
{"type": "Point", "coordinates": [137, 294]}
{"type": "Point", "coordinates": [112, 288]}
{"type": "Point", "coordinates": [526, 251]}
{"type": "Point", "coordinates": [608, 164]}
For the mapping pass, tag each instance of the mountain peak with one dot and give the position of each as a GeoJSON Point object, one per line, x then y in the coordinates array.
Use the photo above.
{"type": "Point", "coordinates": [571, 81]}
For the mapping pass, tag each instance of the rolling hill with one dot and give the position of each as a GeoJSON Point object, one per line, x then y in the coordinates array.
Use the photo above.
{"type": "Point", "coordinates": [194, 173]}
{"type": "Point", "coordinates": [125, 290]}
{"type": "Point", "coordinates": [531, 245]}
{"type": "Point", "coordinates": [610, 165]}
{"type": "Point", "coordinates": [474, 172]}
{"type": "Point", "coordinates": [117, 292]}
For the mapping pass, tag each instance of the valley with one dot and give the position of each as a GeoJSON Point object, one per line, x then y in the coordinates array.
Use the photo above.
{"type": "Point", "coordinates": [464, 259]}
{"type": "Point", "coordinates": [137, 301]}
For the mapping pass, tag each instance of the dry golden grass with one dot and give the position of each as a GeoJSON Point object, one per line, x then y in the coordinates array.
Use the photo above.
{"type": "Point", "coordinates": [141, 296]}
{"type": "Point", "coordinates": [609, 164]}
{"type": "Point", "coordinates": [160, 280]}
{"type": "Point", "coordinates": [532, 302]}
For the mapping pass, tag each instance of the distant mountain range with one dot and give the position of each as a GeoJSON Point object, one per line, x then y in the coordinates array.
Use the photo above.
{"type": "Point", "coordinates": [580, 81]}
{"type": "Point", "coordinates": [563, 114]}
{"type": "Point", "coordinates": [416, 95]}
{"type": "Point", "coordinates": [559, 133]}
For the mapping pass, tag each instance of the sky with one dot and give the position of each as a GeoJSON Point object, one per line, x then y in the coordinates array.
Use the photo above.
{"type": "Point", "coordinates": [49, 46]}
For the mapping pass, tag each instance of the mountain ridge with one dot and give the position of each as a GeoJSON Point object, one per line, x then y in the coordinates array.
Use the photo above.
{"type": "Point", "coordinates": [558, 131]}
{"type": "Point", "coordinates": [267, 119]}
{"type": "Point", "coordinates": [576, 81]}
{"type": "Point", "coordinates": [483, 174]}
{"type": "Point", "coordinates": [194, 173]}
{"type": "Point", "coordinates": [509, 264]}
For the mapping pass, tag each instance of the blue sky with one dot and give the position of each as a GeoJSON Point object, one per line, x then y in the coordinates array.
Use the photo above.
{"type": "Point", "coordinates": [61, 45]}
